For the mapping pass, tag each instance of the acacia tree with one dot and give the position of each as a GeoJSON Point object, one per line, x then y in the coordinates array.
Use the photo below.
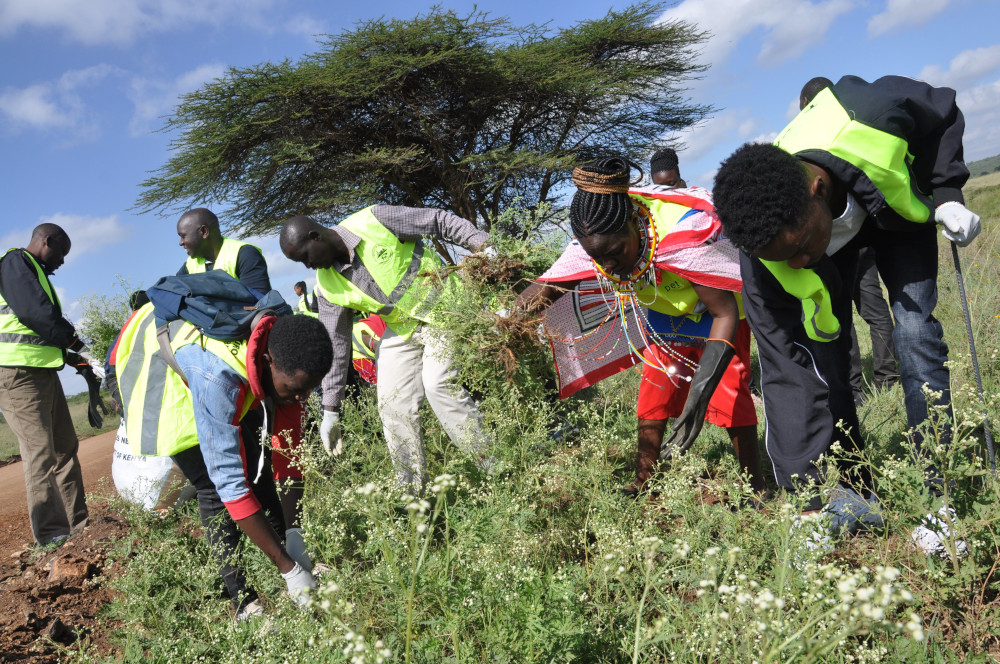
{"type": "Point", "coordinates": [465, 113]}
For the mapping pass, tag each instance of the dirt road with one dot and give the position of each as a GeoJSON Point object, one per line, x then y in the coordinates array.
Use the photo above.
{"type": "Point", "coordinates": [15, 533]}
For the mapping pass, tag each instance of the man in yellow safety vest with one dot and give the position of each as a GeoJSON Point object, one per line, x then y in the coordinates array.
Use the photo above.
{"type": "Point", "coordinates": [370, 263]}
{"type": "Point", "coordinates": [34, 338]}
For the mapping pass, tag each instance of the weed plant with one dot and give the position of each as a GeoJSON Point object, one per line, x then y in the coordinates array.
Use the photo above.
{"type": "Point", "coordinates": [545, 560]}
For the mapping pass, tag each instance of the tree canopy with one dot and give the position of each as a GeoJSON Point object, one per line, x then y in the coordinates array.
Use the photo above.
{"type": "Point", "coordinates": [466, 113]}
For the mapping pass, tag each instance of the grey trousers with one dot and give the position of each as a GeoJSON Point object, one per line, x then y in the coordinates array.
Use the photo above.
{"type": "Point", "coordinates": [408, 371]}
{"type": "Point", "coordinates": [35, 407]}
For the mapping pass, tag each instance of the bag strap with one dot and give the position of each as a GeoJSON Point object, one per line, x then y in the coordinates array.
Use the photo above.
{"type": "Point", "coordinates": [166, 352]}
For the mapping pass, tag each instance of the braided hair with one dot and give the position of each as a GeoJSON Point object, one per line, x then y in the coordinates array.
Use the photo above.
{"type": "Point", "coordinates": [601, 205]}
{"type": "Point", "coordinates": [663, 160]}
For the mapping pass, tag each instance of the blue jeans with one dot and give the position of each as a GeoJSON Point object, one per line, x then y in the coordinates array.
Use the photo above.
{"type": "Point", "coordinates": [908, 264]}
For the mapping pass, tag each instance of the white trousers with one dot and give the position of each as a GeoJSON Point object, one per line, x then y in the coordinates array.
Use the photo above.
{"type": "Point", "coordinates": [409, 371]}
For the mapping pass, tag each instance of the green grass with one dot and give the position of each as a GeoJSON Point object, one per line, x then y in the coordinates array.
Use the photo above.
{"type": "Point", "coordinates": [546, 561]}
{"type": "Point", "coordinates": [77, 410]}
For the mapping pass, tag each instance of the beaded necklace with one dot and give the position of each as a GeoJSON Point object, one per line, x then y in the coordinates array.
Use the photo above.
{"type": "Point", "coordinates": [625, 292]}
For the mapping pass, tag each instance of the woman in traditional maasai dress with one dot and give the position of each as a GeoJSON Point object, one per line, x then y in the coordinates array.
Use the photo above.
{"type": "Point", "coordinates": [650, 278]}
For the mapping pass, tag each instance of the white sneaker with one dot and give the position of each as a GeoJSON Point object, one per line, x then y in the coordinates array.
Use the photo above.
{"type": "Point", "coordinates": [933, 533]}
{"type": "Point", "coordinates": [252, 610]}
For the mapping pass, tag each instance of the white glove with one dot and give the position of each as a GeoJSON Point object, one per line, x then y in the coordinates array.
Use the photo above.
{"type": "Point", "coordinates": [296, 548]}
{"type": "Point", "coordinates": [490, 251]}
{"type": "Point", "coordinates": [329, 431]}
{"type": "Point", "coordinates": [300, 583]}
{"type": "Point", "coordinates": [98, 367]}
{"type": "Point", "coordinates": [961, 225]}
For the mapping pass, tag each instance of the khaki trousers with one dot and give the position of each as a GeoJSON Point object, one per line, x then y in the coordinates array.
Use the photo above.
{"type": "Point", "coordinates": [34, 407]}
{"type": "Point", "coordinates": [409, 371]}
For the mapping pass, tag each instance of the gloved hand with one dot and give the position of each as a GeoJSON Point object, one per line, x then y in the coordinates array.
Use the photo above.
{"type": "Point", "coordinates": [97, 366]}
{"type": "Point", "coordinates": [300, 583]}
{"type": "Point", "coordinates": [95, 405]}
{"type": "Point", "coordinates": [329, 432]}
{"type": "Point", "coordinates": [714, 360]}
{"type": "Point", "coordinates": [961, 225]}
{"type": "Point", "coordinates": [296, 548]}
{"type": "Point", "coordinates": [490, 251]}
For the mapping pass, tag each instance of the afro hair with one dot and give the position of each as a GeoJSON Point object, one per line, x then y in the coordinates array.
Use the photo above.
{"type": "Point", "coordinates": [759, 189]}
{"type": "Point", "coordinates": [300, 343]}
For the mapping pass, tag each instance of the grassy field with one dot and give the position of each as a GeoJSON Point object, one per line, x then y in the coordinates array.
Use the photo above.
{"type": "Point", "coordinates": [546, 560]}
{"type": "Point", "coordinates": [77, 409]}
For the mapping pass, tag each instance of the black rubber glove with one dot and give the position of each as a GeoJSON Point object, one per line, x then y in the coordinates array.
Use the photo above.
{"type": "Point", "coordinates": [95, 406]}
{"type": "Point", "coordinates": [712, 365]}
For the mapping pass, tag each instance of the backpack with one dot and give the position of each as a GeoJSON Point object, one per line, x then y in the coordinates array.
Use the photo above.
{"type": "Point", "coordinates": [220, 306]}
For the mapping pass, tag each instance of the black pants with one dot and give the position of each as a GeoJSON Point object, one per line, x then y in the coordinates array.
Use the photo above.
{"type": "Point", "coordinates": [221, 531]}
{"type": "Point", "coordinates": [874, 310]}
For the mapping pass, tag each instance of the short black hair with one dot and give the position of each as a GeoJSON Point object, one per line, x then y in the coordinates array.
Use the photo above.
{"type": "Point", "coordinates": [605, 208]}
{"type": "Point", "coordinates": [137, 299]}
{"type": "Point", "coordinates": [300, 284]}
{"type": "Point", "coordinates": [812, 88]}
{"type": "Point", "coordinates": [664, 160]}
{"type": "Point", "coordinates": [300, 343]}
{"type": "Point", "coordinates": [758, 189]}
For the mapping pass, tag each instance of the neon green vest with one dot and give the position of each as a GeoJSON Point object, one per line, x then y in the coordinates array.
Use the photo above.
{"type": "Point", "coordinates": [359, 349]}
{"type": "Point", "coordinates": [159, 413]}
{"type": "Point", "coordinates": [818, 318]}
{"type": "Point", "coordinates": [394, 265]}
{"type": "Point", "coordinates": [885, 159]}
{"type": "Point", "coordinates": [20, 346]}
{"type": "Point", "coordinates": [825, 125]}
{"type": "Point", "coordinates": [225, 261]}
{"type": "Point", "coordinates": [302, 308]}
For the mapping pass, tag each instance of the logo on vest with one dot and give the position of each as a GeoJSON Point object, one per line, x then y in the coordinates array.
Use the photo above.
{"type": "Point", "coordinates": [234, 347]}
{"type": "Point", "coordinates": [382, 254]}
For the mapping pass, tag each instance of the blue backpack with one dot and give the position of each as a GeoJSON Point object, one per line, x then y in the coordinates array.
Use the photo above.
{"type": "Point", "coordinates": [220, 306]}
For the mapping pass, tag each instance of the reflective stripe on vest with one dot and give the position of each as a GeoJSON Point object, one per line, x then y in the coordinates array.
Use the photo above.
{"type": "Point", "coordinates": [884, 158]}
{"type": "Point", "coordinates": [818, 318]}
{"type": "Point", "coordinates": [394, 265]}
{"type": "Point", "coordinates": [20, 346]}
{"type": "Point", "coordinates": [225, 261]}
{"type": "Point", "coordinates": [159, 413]}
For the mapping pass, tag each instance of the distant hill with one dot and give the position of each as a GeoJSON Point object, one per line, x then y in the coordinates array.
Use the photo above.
{"type": "Point", "coordinates": [984, 166]}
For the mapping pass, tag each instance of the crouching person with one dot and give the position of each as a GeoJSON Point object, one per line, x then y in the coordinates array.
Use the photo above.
{"type": "Point", "coordinates": [197, 423]}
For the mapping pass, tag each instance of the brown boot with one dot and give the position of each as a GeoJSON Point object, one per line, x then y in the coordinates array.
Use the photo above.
{"type": "Point", "coordinates": [647, 453]}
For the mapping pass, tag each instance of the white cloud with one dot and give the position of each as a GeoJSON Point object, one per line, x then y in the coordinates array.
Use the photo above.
{"type": "Point", "coordinates": [155, 98]}
{"type": "Point", "coordinates": [306, 26]}
{"type": "Point", "coordinates": [122, 22]}
{"type": "Point", "coordinates": [55, 105]}
{"type": "Point", "coordinates": [964, 68]}
{"type": "Point", "coordinates": [904, 13]}
{"type": "Point", "coordinates": [793, 109]}
{"type": "Point", "coordinates": [731, 127]}
{"type": "Point", "coordinates": [789, 26]}
{"type": "Point", "coordinates": [86, 233]}
{"type": "Point", "coordinates": [981, 107]}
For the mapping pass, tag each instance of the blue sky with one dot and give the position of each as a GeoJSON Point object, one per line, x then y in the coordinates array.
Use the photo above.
{"type": "Point", "coordinates": [85, 85]}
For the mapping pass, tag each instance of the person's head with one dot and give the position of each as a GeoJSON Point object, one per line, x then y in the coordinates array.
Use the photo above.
{"type": "Point", "coordinates": [299, 354]}
{"type": "Point", "coordinates": [773, 206]}
{"type": "Point", "coordinates": [300, 288]}
{"type": "Point", "coordinates": [49, 244]}
{"type": "Point", "coordinates": [812, 88]}
{"type": "Point", "coordinates": [199, 232]}
{"type": "Point", "coordinates": [602, 215]}
{"type": "Point", "coordinates": [137, 299]}
{"type": "Point", "coordinates": [304, 240]}
{"type": "Point", "coordinates": [665, 170]}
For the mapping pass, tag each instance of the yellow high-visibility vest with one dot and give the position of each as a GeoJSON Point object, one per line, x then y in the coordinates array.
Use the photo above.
{"type": "Point", "coordinates": [20, 346]}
